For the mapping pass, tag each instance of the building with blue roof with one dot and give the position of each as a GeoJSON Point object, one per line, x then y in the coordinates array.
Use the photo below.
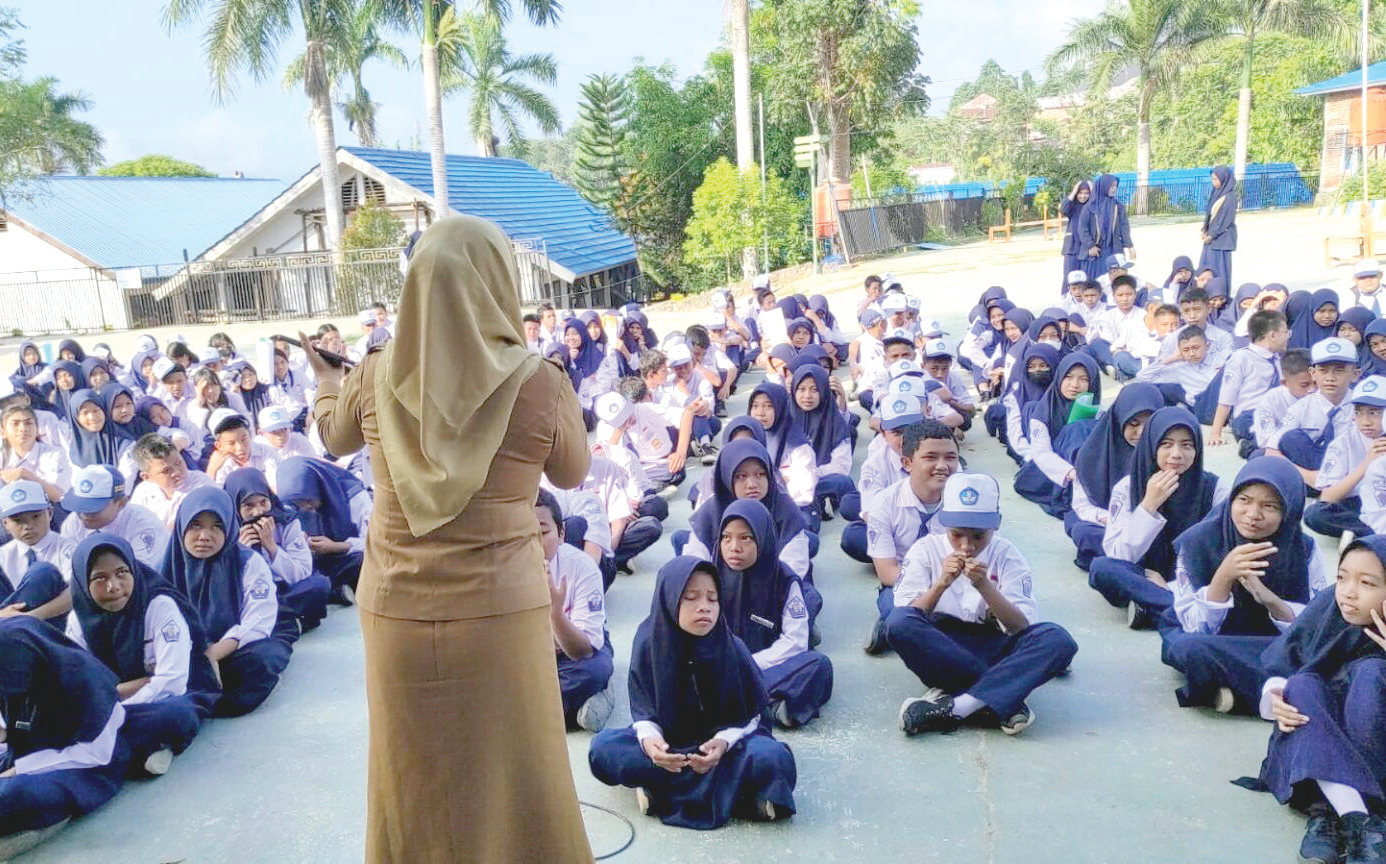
{"type": "Point", "coordinates": [1343, 149]}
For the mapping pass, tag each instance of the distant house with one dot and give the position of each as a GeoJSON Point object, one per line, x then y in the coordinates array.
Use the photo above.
{"type": "Point", "coordinates": [1342, 123]}
{"type": "Point", "coordinates": [980, 107]}
{"type": "Point", "coordinates": [932, 174]}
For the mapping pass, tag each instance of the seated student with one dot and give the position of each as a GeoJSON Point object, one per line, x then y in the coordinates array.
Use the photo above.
{"type": "Point", "coordinates": [982, 342]}
{"type": "Point", "coordinates": [232, 590]}
{"type": "Point", "coordinates": [1113, 335]}
{"type": "Point", "coordinates": [97, 372]}
{"type": "Point", "coordinates": [1101, 462]}
{"type": "Point", "coordinates": [882, 468]}
{"type": "Point", "coordinates": [272, 531]}
{"type": "Point", "coordinates": [904, 511]}
{"type": "Point", "coordinates": [235, 448]}
{"type": "Point", "coordinates": [289, 388]}
{"type": "Point", "coordinates": [28, 520]}
{"type": "Point", "coordinates": [147, 633]}
{"type": "Point", "coordinates": [172, 387]}
{"type": "Point", "coordinates": [1296, 382]}
{"type": "Point", "coordinates": [277, 432]}
{"type": "Point", "coordinates": [1046, 472]}
{"type": "Point", "coordinates": [1249, 374]}
{"type": "Point", "coordinates": [577, 612]}
{"type": "Point", "coordinates": [697, 752]}
{"type": "Point", "coordinates": [95, 439]}
{"type": "Point", "coordinates": [1312, 423]}
{"type": "Point", "coordinates": [52, 429]}
{"type": "Point", "coordinates": [334, 510]}
{"type": "Point", "coordinates": [1325, 689]}
{"type": "Point", "coordinates": [187, 440]}
{"type": "Point", "coordinates": [1317, 319]}
{"type": "Point", "coordinates": [65, 752]}
{"type": "Point", "coordinates": [632, 523]}
{"type": "Point", "coordinates": [688, 390]}
{"type": "Point", "coordinates": [1030, 381]}
{"type": "Point", "coordinates": [1371, 356]}
{"type": "Point", "coordinates": [738, 428]}
{"type": "Point", "coordinates": [167, 478]}
{"type": "Point", "coordinates": [1341, 478]}
{"type": "Point", "coordinates": [897, 345]}
{"type": "Point", "coordinates": [710, 363]}
{"type": "Point", "coordinates": [25, 456]}
{"type": "Point", "coordinates": [1165, 492]}
{"type": "Point", "coordinates": [816, 417]}
{"type": "Point", "coordinates": [790, 449]}
{"type": "Point", "coordinates": [868, 354]}
{"type": "Point", "coordinates": [1187, 376]}
{"type": "Point", "coordinates": [1194, 310]}
{"type": "Point", "coordinates": [67, 379]}
{"type": "Point", "coordinates": [965, 620]}
{"type": "Point", "coordinates": [955, 393]}
{"type": "Point", "coordinates": [97, 502]}
{"type": "Point", "coordinates": [208, 397]}
{"type": "Point", "coordinates": [638, 436]}
{"type": "Point", "coordinates": [1242, 574]}
{"type": "Point", "coordinates": [766, 610]}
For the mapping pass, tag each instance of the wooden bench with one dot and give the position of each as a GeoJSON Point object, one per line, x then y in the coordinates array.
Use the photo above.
{"type": "Point", "coordinates": [1006, 227]}
{"type": "Point", "coordinates": [1361, 245]}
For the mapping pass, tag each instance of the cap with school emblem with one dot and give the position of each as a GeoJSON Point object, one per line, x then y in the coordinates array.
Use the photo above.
{"type": "Point", "coordinates": [936, 348]}
{"type": "Point", "coordinates": [1077, 277]}
{"type": "Point", "coordinates": [971, 501]}
{"type": "Point", "coordinates": [904, 367]}
{"type": "Point", "coordinates": [901, 411]}
{"type": "Point", "coordinates": [893, 303]}
{"type": "Point", "coordinates": [909, 385]}
{"type": "Point", "coordinates": [275, 417]}
{"type": "Point", "coordinates": [23, 496]}
{"type": "Point", "coordinates": [223, 419]}
{"type": "Point", "coordinates": [1370, 391]}
{"type": "Point", "coordinates": [613, 409]}
{"type": "Point", "coordinates": [164, 367]}
{"type": "Point", "coordinates": [93, 487]}
{"type": "Point", "coordinates": [1334, 349]}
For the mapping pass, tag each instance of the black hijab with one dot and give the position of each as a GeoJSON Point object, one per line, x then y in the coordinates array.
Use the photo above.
{"type": "Point", "coordinates": [753, 600]}
{"type": "Point", "coordinates": [1189, 503]}
{"type": "Point", "coordinates": [1106, 457]}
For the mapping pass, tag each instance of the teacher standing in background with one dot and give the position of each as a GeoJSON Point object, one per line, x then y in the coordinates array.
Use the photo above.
{"type": "Point", "coordinates": [468, 758]}
{"type": "Point", "coordinates": [1220, 225]}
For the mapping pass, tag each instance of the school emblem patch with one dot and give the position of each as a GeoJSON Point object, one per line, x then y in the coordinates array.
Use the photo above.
{"type": "Point", "coordinates": [594, 603]}
{"type": "Point", "coordinates": [968, 496]}
{"type": "Point", "coordinates": [1369, 386]}
{"type": "Point", "coordinates": [84, 487]}
{"type": "Point", "coordinates": [170, 632]}
{"type": "Point", "coordinates": [260, 590]}
{"type": "Point", "coordinates": [17, 495]}
{"type": "Point", "coordinates": [797, 609]}
{"type": "Point", "coordinates": [146, 540]}
{"type": "Point", "coordinates": [1333, 348]}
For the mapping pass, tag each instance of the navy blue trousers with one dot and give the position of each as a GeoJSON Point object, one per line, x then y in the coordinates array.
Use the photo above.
{"type": "Point", "coordinates": [833, 487]}
{"type": "Point", "coordinates": [640, 534]}
{"type": "Point", "coordinates": [1332, 519]}
{"type": "Point", "coordinates": [758, 768]}
{"type": "Point", "coordinates": [1121, 582]}
{"type": "Point", "coordinates": [1101, 351]}
{"type": "Point", "coordinates": [962, 657]}
{"type": "Point", "coordinates": [580, 680]}
{"type": "Point", "coordinates": [1127, 365]}
{"type": "Point", "coordinates": [1341, 743]}
{"type": "Point", "coordinates": [39, 586]}
{"type": "Point", "coordinates": [169, 724]}
{"type": "Point", "coordinates": [866, 398]}
{"type": "Point", "coordinates": [854, 542]}
{"type": "Point", "coordinates": [1210, 661]}
{"type": "Point", "coordinates": [1241, 426]}
{"type": "Point", "coordinates": [32, 801]}
{"type": "Point", "coordinates": [1086, 537]}
{"type": "Point", "coordinates": [340, 568]}
{"type": "Point", "coordinates": [850, 505]}
{"type": "Point", "coordinates": [655, 506]}
{"type": "Point", "coordinates": [305, 600]}
{"type": "Point", "coordinates": [994, 418]}
{"type": "Point", "coordinates": [803, 682]}
{"type": "Point", "coordinates": [1301, 449]}
{"type": "Point", "coordinates": [249, 674]}
{"type": "Point", "coordinates": [885, 601]}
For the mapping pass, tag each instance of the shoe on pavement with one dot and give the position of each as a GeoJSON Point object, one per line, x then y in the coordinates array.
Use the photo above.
{"type": "Point", "coordinates": [1019, 721]}
{"type": "Point", "coordinates": [15, 845]}
{"type": "Point", "coordinates": [159, 762]}
{"type": "Point", "coordinates": [594, 713]}
{"type": "Point", "coordinates": [876, 643]}
{"type": "Point", "coordinates": [642, 801]}
{"type": "Point", "coordinates": [1361, 835]}
{"type": "Point", "coordinates": [1320, 843]}
{"type": "Point", "coordinates": [932, 712]}
{"type": "Point", "coordinates": [1225, 701]}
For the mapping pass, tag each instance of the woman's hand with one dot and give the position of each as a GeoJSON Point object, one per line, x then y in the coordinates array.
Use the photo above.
{"type": "Point", "coordinates": [1287, 716]}
{"type": "Point", "coordinates": [1162, 485]}
{"type": "Point", "coordinates": [658, 750]}
{"type": "Point", "coordinates": [711, 751]}
{"type": "Point", "coordinates": [1377, 632]}
{"type": "Point", "coordinates": [322, 370]}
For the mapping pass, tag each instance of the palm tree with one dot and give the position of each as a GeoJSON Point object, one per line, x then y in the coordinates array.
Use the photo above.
{"type": "Point", "coordinates": [1156, 38]}
{"type": "Point", "coordinates": [358, 44]}
{"type": "Point", "coordinates": [423, 17]}
{"type": "Point", "coordinates": [39, 133]}
{"type": "Point", "coordinates": [245, 34]}
{"type": "Point", "coordinates": [472, 56]}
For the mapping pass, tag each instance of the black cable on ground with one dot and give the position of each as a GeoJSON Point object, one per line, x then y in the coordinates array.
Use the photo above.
{"type": "Point", "coordinates": [629, 840]}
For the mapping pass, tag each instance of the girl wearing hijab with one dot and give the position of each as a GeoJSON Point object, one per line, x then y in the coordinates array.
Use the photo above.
{"type": "Point", "coordinates": [1027, 383]}
{"type": "Point", "coordinates": [96, 439]}
{"type": "Point", "coordinates": [1071, 208]}
{"type": "Point", "coordinates": [66, 752]}
{"type": "Point", "coordinates": [147, 633]}
{"type": "Point", "coordinates": [1372, 354]}
{"type": "Point", "coordinates": [1353, 323]}
{"type": "Point", "coordinates": [1180, 279]}
{"type": "Point", "coordinates": [737, 428]}
{"type": "Point", "coordinates": [254, 393]}
{"type": "Point", "coordinates": [1242, 575]}
{"type": "Point", "coordinates": [1102, 461]}
{"type": "Point", "coordinates": [97, 373]}
{"type": "Point", "coordinates": [1325, 689]}
{"type": "Point", "coordinates": [789, 448]}
{"type": "Point", "coordinates": [777, 362]}
{"type": "Point", "coordinates": [979, 344]}
{"type": "Point", "coordinates": [765, 608]}
{"type": "Point", "coordinates": [1050, 440]}
{"type": "Point", "coordinates": [1104, 230]}
{"type": "Point", "coordinates": [587, 368]}
{"type": "Point", "coordinates": [1314, 319]}
{"type": "Point", "coordinates": [232, 590]}
{"type": "Point", "coordinates": [32, 376]}
{"type": "Point", "coordinates": [697, 752]}
{"type": "Point", "coordinates": [190, 443]}
{"type": "Point", "coordinates": [635, 338]}
{"type": "Point", "coordinates": [1219, 231]}
{"type": "Point", "coordinates": [67, 379]}
{"type": "Point", "coordinates": [272, 531]}
{"type": "Point", "coordinates": [1221, 314]}
{"type": "Point", "coordinates": [1175, 492]}
{"type": "Point", "coordinates": [71, 350]}
{"type": "Point", "coordinates": [593, 322]}
{"type": "Point", "coordinates": [335, 512]}
{"type": "Point", "coordinates": [1014, 325]}
{"type": "Point", "coordinates": [818, 419]}
{"type": "Point", "coordinates": [120, 405]}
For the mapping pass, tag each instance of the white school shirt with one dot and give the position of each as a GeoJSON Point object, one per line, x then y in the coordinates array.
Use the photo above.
{"type": "Point", "coordinates": [1084, 507]}
{"type": "Point", "coordinates": [167, 651]}
{"type": "Point", "coordinates": [1193, 377]}
{"type": "Point", "coordinates": [794, 552]}
{"type": "Point", "coordinates": [601, 382]}
{"type": "Point", "coordinates": [584, 601]}
{"type": "Point", "coordinates": [297, 445]}
{"type": "Point", "coordinates": [960, 385]}
{"type": "Point", "coordinates": [262, 456]}
{"type": "Point", "coordinates": [1247, 378]}
{"type": "Point", "coordinates": [147, 536]}
{"type": "Point", "coordinates": [623, 453]}
{"type": "Point", "coordinates": [361, 506]}
{"type": "Point", "coordinates": [1373, 492]}
{"type": "Point", "coordinates": [1198, 614]}
{"type": "Point", "coordinates": [1311, 414]}
{"type": "Point", "coordinates": [293, 557]}
{"type": "Point", "coordinates": [1015, 426]}
{"type": "Point", "coordinates": [1131, 528]}
{"type": "Point", "coordinates": [48, 461]}
{"type": "Point", "coordinates": [870, 355]}
{"type": "Point", "coordinates": [1006, 567]}
{"type": "Point", "coordinates": [51, 430]}
{"type": "Point", "coordinates": [259, 604]}
{"type": "Point", "coordinates": [892, 526]}
{"type": "Point", "coordinates": [799, 471]}
{"type": "Point", "coordinates": [53, 548]}
{"type": "Point", "coordinates": [794, 631]}
{"type": "Point", "coordinates": [1343, 454]}
{"type": "Point", "coordinates": [84, 754]}
{"type": "Point", "coordinates": [732, 735]}
{"type": "Point", "coordinates": [614, 486]}
{"type": "Point", "coordinates": [1122, 326]}
{"type": "Point", "coordinates": [971, 346]}
{"type": "Point", "coordinates": [840, 461]}
{"type": "Point", "coordinates": [291, 392]}
{"type": "Point", "coordinates": [883, 467]}
{"type": "Point", "coordinates": [165, 508]}
{"type": "Point", "coordinates": [1270, 411]}
{"type": "Point", "coordinates": [580, 502]}
{"type": "Point", "coordinates": [1220, 346]}
{"type": "Point", "coordinates": [1051, 464]}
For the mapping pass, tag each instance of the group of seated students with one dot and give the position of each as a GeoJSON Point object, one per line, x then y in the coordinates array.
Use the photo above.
{"type": "Point", "coordinates": [162, 554]}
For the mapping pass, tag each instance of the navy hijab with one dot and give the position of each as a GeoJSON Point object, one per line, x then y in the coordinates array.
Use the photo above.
{"type": "Point", "coordinates": [1226, 187]}
{"type": "Point", "coordinates": [706, 521]}
{"type": "Point", "coordinates": [589, 358]}
{"type": "Point", "coordinates": [1372, 364]}
{"type": "Point", "coordinates": [53, 694]}
{"type": "Point", "coordinates": [824, 426]}
{"type": "Point", "coordinates": [784, 434]}
{"type": "Point", "coordinates": [985, 302]}
{"type": "Point", "coordinates": [244, 483]}
{"type": "Point", "coordinates": [1103, 208]}
{"type": "Point", "coordinates": [258, 397]}
{"type": "Point", "coordinates": [1358, 318]}
{"type": "Point", "coordinates": [1106, 457]}
{"type": "Point", "coordinates": [93, 448]}
{"type": "Point", "coordinates": [29, 370]}
{"type": "Point", "coordinates": [62, 398]}
{"type": "Point", "coordinates": [587, 318]}
{"type": "Point", "coordinates": [753, 600]}
{"type": "Point", "coordinates": [691, 687]}
{"type": "Point", "coordinates": [1052, 410]}
{"type": "Point", "coordinates": [1189, 503]}
{"type": "Point", "coordinates": [1205, 545]}
{"type": "Point", "coordinates": [117, 638]}
{"type": "Point", "coordinates": [138, 426]}
{"type": "Point", "coordinates": [1024, 320]}
{"type": "Point", "coordinates": [1304, 330]}
{"type": "Point", "coordinates": [1025, 390]}
{"type": "Point", "coordinates": [212, 584]}
{"type": "Point", "coordinates": [750, 424]}
{"type": "Point", "coordinates": [301, 478]}
{"type": "Point", "coordinates": [1183, 262]}
{"type": "Point", "coordinates": [1226, 317]}
{"type": "Point", "coordinates": [819, 304]}
{"type": "Point", "coordinates": [78, 355]}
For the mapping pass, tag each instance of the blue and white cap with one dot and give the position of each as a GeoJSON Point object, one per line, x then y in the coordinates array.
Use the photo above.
{"type": "Point", "coordinates": [1077, 277]}
{"type": "Point", "coordinates": [894, 302]}
{"type": "Point", "coordinates": [1370, 391]}
{"type": "Point", "coordinates": [275, 417]}
{"type": "Point", "coordinates": [613, 409]}
{"type": "Point", "coordinates": [93, 487]}
{"type": "Point", "coordinates": [222, 419]}
{"type": "Point", "coordinates": [1367, 267]}
{"type": "Point", "coordinates": [678, 354]}
{"type": "Point", "coordinates": [899, 334]}
{"type": "Point", "coordinates": [871, 317]}
{"type": "Point", "coordinates": [715, 321]}
{"type": "Point", "coordinates": [761, 282]}
{"type": "Point", "coordinates": [719, 300]}
{"type": "Point", "coordinates": [1334, 349]}
{"type": "Point", "coordinates": [901, 410]}
{"type": "Point", "coordinates": [22, 496]}
{"type": "Point", "coordinates": [914, 303]}
{"type": "Point", "coordinates": [971, 501]}
{"type": "Point", "coordinates": [909, 385]}
{"type": "Point", "coordinates": [1118, 262]}
{"type": "Point", "coordinates": [904, 367]}
{"type": "Point", "coordinates": [888, 281]}
{"type": "Point", "coordinates": [164, 367]}
{"type": "Point", "coordinates": [936, 348]}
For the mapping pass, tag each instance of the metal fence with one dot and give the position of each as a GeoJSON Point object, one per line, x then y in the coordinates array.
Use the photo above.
{"type": "Point", "coordinates": [872, 230]}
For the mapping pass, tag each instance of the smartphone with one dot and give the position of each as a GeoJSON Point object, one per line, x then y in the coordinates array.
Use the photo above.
{"type": "Point", "coordinates": [332, 359]}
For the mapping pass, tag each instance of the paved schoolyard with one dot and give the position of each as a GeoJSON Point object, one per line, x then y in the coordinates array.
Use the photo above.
{"type": "Point", "coordinates": [1112, 770]}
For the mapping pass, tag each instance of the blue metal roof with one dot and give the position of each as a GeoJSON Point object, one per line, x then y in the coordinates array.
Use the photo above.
{"type": "Point", "coordinates": [1376, 74]}
{"type": "Point", "coordinates": [133, 221]}
{"type": "Point", "coordinates": [524, 201]}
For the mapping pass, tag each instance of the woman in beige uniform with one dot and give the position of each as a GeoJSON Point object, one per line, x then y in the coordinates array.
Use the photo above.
{"type": "Point", "coordinates": [468, 759]}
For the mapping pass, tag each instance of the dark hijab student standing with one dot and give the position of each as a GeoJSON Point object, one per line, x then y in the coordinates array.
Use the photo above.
{"type": "Point", "coordinates": [1219, 231]}
{"type": "Point", "coordinates": [1104, 229]}
{"type": "Point", "coordinates": [1074, 257]}
{"type": "Point", "coordinates": [459, 664]}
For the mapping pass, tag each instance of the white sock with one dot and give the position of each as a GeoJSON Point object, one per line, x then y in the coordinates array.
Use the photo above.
{"type": "Point", "coordinates": [1343, 799]}
{"type": "Point", "coordinates": [966, 705]}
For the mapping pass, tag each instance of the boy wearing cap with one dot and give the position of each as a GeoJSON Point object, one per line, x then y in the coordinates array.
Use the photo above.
{"type": "Point", "coordinates": [1073, 300]}
{"type": "Point", "coordinates": [277, 433]}
{"type": "Point", "coordinates": [1366, 286]}
{"type": "Point", "coordinates": [896, 308]}
{"type": "Point", "coordinates": [938, 362]}
{"type": "Point", "coordinates": [641, 431]}
{"type": "Point", "coordinates": [866, 354]}
{"type": "Point", "coordinates": [1315, 421]}
{"type": "Point", "coordinates": [1337, 513]}
{"type": "Point", "coordinates": [1249, 374]}
{"type": "Point", "coordinates": [1108, 332]}
{"type": "Point", "coordinates": [685, 392]}
{"type": "Point", "coordinates": [28, 519]}
{"type": "Point", "coordinates": [235, 448]}
{"type": "Point", "coordinates": [896, 344]}
{"type": "Point", "coordinates": [173, 386]}
{"type": "Point", "coordinates": [712, 363]}
{"type": "Point", "coordinates": [966, 623]}
{"type": "Point", "coordinates": [97, 502]}
{"type": "Point", "coordinates": [168, 480]}
{"type": "Point", "coordinates": [883, 467]}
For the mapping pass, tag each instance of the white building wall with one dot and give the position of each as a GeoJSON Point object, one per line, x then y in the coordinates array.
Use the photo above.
{"type": "Point", "coordinates": [45, 289]}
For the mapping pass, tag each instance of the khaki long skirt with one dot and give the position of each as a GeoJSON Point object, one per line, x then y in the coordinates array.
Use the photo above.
{"type": "Point", "coordinates": [468, 758]}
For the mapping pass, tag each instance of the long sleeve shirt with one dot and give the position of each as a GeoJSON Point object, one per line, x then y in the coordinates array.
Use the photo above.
{"type": "Point", "coordinates": [167, 651]}
{"type": "Point", "coordinates": [1198, 614]}
{"type": "Point", "coordinates": [1131, 528]}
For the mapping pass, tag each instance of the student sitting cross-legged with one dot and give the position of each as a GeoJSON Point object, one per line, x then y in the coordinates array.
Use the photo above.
{"type": "Point", "coordinates": [1342, 476]}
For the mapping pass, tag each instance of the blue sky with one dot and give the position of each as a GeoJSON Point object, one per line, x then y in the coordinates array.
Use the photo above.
{"type": "Point", "coordinates": [151, 93]}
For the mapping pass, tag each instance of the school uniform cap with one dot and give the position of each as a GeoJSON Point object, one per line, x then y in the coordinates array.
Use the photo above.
{"type": "Point", "coordinates": [913, 303]}
{"type": "Point", "coordinates": [613, 409]}
{"type": "Point", "coordinates": [715, 321]}
{"type": "Point", "coordinates": [365, 316]}
{"type": "Point", "coordinates": [164, 367]}
{"type": "Point", "coordinates": [901, 411]}
{"type": "Point", "coordinates": [210, 354]}
{"type": "Point", "coordinates": [1370, 391]}
{"type": "Point", "coordinates": [971, 501]}
{"type": "Point", "coordinates": [932, 329]}
{"type": "Point", "coordinates": [871, 317]}
{"type": "Point", "coordinates": [895, 303]}
{"type": "Point", "coordinates": [904, 367]}
{"type": "Point", "coordinates": [909, 386]}
{"type": "Point", "coordinates": [936, 348]}
{"type": "Point", "coordinates": [221, 418]}
{"type": "Point", "coordinates": [678, 354]}
{"type": "Point", "coordinates": [146, 343]}
{"type": "Point", "coordinates": [93, 487]}
{"type": "Point", "coordinates": [22, 496]}
{"type": "Point", "coordinates": [275, 417]}
{"type": "Point", "coordinates": [1367, 267]}
{"type": "Point", "coordinates": [761, 282]}
{"type": "Point", "coordinates": [1334, 349]}
{"type": "Point", "coordinates": [899, 334]}
{"type": "Point", "coordinates": [719, 301]}
{"type": "Point", "coordinates": [1077, 277]}
{"type": "Point", "coordinates": [1118, 261]}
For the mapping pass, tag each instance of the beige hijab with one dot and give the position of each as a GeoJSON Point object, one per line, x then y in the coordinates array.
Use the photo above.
{"type": "Point", "coordinates": [447, 383]}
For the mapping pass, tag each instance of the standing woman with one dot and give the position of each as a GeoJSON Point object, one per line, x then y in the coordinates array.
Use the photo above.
{"type": "Point", "coordinates": [1220, 225]}
{"type": "Point", "coordinates": [1104, 229]}
{"type": "Point", "coordinates": [1071, 208]}
{"type": "Point", "coordinates": [468, 756]}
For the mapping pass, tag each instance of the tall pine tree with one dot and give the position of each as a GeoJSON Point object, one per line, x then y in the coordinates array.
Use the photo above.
{"type": "Point", "coordinates": [599, 164]}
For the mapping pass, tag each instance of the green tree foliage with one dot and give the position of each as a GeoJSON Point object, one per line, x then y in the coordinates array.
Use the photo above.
{"type": "Point", "coordinates": [155, 165]}
{"type": "Point", "coordinates": [730, 213]}
{"type": "Point", "coordinates": [373, 227]}
{"type": "Point", "coordinates": [554, 155]}
{"type": "Point", "coordinates": [599, 160]}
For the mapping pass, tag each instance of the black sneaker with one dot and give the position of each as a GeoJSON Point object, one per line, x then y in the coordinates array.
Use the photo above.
{"type": "Point", "coordinates": [876, 643]}
{"type": "Point", "coordinates": [1019, 721]}
{"type": "Point", "coordinates": [932, 712]}
{"type": "Point", "coordinates": [1361, 835]}
{"type": "Point", "coordinates": [1320, 843]}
